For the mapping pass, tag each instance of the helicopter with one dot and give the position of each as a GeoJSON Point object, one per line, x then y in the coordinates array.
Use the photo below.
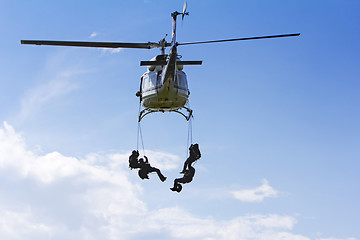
{"type": "Point", "coordinates": [164, 86]}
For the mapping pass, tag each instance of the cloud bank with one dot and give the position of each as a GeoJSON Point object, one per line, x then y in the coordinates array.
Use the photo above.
{"type": "Point", "coordinates": [52, 196]}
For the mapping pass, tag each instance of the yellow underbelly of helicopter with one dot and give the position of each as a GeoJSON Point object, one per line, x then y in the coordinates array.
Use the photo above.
{"type": "Point", "coordinates": [165, 99]}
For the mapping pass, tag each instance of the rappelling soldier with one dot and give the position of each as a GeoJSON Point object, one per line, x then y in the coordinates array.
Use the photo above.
{"type": "Point", "coordinates": [188, 177]}
{"type": "Point", "coordinates": [133, 160]}
{"type": "Point", "coordinates": [194, 153]}
{"type": "Point", "coordinates": [146, 168]}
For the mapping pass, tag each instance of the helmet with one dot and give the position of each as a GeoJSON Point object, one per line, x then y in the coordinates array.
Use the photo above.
{"type": "Point", "coordinates": [135, 153]}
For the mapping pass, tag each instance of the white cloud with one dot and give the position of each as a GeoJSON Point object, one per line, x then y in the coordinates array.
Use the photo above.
{"type": "Point", "coordinates": [15, 225]}
{"type": "Point", "coordinates": [256, 194]}
{"type": "Point", "coordinates": [111, 50]}
{"type": "Point", "coordinates": [53, 196]}
{"type": "Point", "coordinates": [93, 34]}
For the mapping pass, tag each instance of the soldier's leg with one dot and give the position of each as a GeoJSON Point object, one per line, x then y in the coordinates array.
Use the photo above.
{"type": "Point", "coordinates": [160, 175]}
{"type": "Point", "coordinates": [177, 186]}
{"type": "Point", "coordinates": [186, 163]}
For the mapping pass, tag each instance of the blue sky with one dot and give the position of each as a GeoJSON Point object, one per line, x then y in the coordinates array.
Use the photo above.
{"type": "Point", "coordinates": [277, 122]}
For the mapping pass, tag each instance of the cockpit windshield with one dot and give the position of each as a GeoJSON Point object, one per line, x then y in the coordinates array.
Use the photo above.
{"type": "Point", "coordinates": [180, 81]}
{"type": "Point", "coordinates": [152, 81]}
{"type": "Point", "coordinates": [149, 80]}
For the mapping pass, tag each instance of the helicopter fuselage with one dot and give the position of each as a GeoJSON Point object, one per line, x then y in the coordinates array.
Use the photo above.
{"type": "Point", "coordinates": [164, 87]}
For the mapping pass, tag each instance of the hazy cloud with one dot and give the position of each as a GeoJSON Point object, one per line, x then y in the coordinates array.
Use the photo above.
{"type": "Point", "coordinates": [38, 96]}
{"type": "Point", "coordinates": [256, 194]}
{"type": "Point", "coordinates": [57, 79]}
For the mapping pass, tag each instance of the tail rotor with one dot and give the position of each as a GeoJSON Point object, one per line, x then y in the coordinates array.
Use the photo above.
{"type": "Point", "coordinates": [184, 11]}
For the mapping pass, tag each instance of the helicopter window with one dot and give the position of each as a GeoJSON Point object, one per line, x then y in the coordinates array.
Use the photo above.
{"type": "Point", "coordinates": [149, 81]}
{"type": "Point", "coordinates": [180, 81]}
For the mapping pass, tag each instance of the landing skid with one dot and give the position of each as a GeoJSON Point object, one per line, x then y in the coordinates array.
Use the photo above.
{"type": "Point", "coordinates": [187, 115]}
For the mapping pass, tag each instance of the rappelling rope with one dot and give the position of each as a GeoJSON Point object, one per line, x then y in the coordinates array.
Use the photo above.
{"type": "Point", "coordinates": [139, 133]}
{"type": "Point", "coordinates": [141, 137]}
{"type": "Point", "coordinates": [189, 137]}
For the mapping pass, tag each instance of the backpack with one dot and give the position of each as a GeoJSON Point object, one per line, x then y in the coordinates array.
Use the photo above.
{"type": "Point", "coordinates": [133, 162]}
{"type": "Point", "coordinates": [196, 151]}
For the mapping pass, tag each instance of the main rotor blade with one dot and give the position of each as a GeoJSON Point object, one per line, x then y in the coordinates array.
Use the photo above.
{"type": "Point", "coordinates": [239, 39]}
{"type": "Point", "coordinates": [148, 45]}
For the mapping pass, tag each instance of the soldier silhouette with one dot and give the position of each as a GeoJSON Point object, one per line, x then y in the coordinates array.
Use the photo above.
{"type": "Point", "coordinates": [146, 168]}
{"type": "Point", "coordinates": [188, 177]}
{"type": "Point", "coordinates": [133, 160]}
{"type": "Point", "coordinates": [194, 153]}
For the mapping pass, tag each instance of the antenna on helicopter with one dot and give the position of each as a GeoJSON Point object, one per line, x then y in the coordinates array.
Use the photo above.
{"type": "Point", "coordinates": [162, 44]}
